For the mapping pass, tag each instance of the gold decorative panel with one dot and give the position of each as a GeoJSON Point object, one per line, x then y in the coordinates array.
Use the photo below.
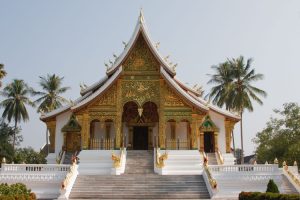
{"type": "Point", "coordinates": [171, 99]}
{"type": "Point", "coordinates": [141, 58]}
{"type": "Point", "coordinates": [108, 98]}
{"type": "Point", "coordinates": [140, 91]}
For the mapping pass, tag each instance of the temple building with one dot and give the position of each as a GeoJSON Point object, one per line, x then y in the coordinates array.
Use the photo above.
{"type": "Point", "coordinates": [140, 133]}
{"type": "Point", "coordinates": [140, 104]}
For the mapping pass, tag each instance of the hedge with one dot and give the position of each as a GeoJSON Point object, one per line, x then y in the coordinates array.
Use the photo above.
{"type": "Point", "coordinates": [267, 196]}
{"type": "Point", "coordinates": [16, 191]}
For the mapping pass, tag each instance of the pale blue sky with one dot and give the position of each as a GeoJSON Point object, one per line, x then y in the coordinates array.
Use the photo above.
{"type": "Point", "coordinates": [73, 39]}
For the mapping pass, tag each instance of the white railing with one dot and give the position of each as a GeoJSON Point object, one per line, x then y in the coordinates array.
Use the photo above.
{"type": "Point", "coordinates": [34, 168]}
{"type": "Point", "coordinates": [12, 178]}
{"type": "Point", "coordinates": [62, 158]}
{"type": "Point", "coordinates": [243, 168]}
{"type": "Point", "coordinates": [69, 182]}
{"type": "Point", "coordinates": [210, 182]}
{"type": "Point", "coordinates": [119, 162]}
{"type": "Point", "coordinates": [220, 158]}
{"type": "Point", "coordinates": [292, 176]}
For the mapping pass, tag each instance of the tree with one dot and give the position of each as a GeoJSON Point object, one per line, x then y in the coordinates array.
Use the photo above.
{"type": "Point", "coordinates": [281, 137]}
{"type": "Point", "coordinates": [2, 73]}
{"type": "Point", "coordinates": [16, 94]}
{"type": "Point", "coordinates": [234, 88]}
{"type": "Point", "coordinates": [50, 98]}
{"type": "Point", "coordinates": [29, 156]}
{"type": "Point", "coordinates": [50, 95]}
{"type": "Point", "coordinates": [6, 137]}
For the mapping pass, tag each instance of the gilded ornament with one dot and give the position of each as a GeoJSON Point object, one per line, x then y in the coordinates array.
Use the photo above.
{"type": "Point", "coordinates": [171, 99]}
{"type": "Point", "coordinates": [117, 160]}
{"type": "Point", "coordinates": [141, 58]}
{"type": "Point", "coordinates": [140, 91]}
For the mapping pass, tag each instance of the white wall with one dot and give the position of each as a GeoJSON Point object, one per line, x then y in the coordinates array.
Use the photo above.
{"type": "Point", "coordinates": [61, 120]}
{"type": "Point", "coordinates": [219, 122]}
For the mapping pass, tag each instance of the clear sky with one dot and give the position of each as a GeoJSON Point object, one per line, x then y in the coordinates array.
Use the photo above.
{"type": "Point", "coordinates": [73, 39]}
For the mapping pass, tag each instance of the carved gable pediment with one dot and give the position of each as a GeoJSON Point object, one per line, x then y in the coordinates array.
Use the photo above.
{"type": "Point", "coordinates": [172, 99]}
{"type": "Point", "coordinates": [107, 99]}
{"type": "Point", "coordinates": [141, 58]}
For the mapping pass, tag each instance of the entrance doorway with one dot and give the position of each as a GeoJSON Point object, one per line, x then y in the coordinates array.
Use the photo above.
{"type": "Point", "coordinates": [209, 142]}
{"type": "Point", "coordinates": [140, 138]}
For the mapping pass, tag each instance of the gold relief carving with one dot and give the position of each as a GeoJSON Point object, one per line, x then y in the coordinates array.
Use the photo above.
{"type": "Point", "coordinates": [196, 120]}
{"type": "Point", "coordinates": [162, 122]}
{"type": "Point", "coordinates": [229, 125]}
{"type": "Point", "coordinates": [118, 119]}
{"type": "Point", "coordinates": [141, 58]}
{"type": "Point", "coordinates": [171, 99]}
{"type": "Point", "coordinates": [83, 120]}
{"type": "Point", "coordinates": [109, 98]}
{"type": "Point", "coordinates": [102, 116]}
{"type": "Point", "coordinates": [140, 91]}
{"type": "Point", "coordinates": [216, 134]}
{"type": "Point", "coordinates": [138, 63]}
{"type": "Point", "coordinates": [178, 117]}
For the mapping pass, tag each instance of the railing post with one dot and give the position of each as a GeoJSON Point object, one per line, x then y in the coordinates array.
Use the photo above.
{"type": "Point", "coordinates": [101, 143]}
{"type": "Point", "coordinates": [178, 143]}
{"type": "Point", "coordinates": [166, 143]}
{"type": "Point", "coordinates": [115, 143]}
{"type": "Point", "coordinates": [123, 141]}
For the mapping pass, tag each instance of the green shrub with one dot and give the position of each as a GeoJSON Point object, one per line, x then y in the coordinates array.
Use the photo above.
{"type": "Point", "coordinates": [16, 191]}
{"type": "Point", "coordinates": [272, 187]}
{"type": "Point", "coordinates": [267, 196]}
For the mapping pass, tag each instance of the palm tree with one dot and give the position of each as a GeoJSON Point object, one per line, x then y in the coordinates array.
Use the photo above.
{"type": "Point", "coordinates": [222, 79]}
{"type": "Point", "coordinates": [50, 96]}
{"type": "Point", "coordinates": [16, 94]}
{"type": "Point", "coordinates": [2, 73]}
{"type": "Point", "coordinates": [236, 91]}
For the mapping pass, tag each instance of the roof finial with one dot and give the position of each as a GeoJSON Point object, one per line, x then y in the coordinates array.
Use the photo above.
{"type": "Point", "coordinates": [141, 18]}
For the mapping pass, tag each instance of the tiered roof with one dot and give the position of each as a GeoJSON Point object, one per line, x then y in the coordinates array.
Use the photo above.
{"type": "Point", "coordinates": [167, 72]}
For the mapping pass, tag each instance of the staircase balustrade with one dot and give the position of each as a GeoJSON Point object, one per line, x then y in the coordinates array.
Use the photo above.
{"type": "Point", "coordinates": [292, 177]}
{"type": "Point", "coordinates": [160, 159]}
{"type": "Point", "coordinates": [270, 168]}
{"type": "Point", "coordinates": [212, 186]}
{"type": "Point", "coordinates": [69, 181]}
{"type": "Point", "coordinates": [60, 157]}
{"type": "Point", "coordinates": [118, 160]}
{"type": "Point", "coordinates": [34, 168]}
{"type": "Point", "coordinates": [220, 157]}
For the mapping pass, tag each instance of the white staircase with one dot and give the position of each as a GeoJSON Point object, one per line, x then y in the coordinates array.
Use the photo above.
{"type": "Point", "coordinates": [182, 162]}
{"type": "Point", "coordinates": [212, 159]}
{"type": "Point", "coordinates": [97, 162]}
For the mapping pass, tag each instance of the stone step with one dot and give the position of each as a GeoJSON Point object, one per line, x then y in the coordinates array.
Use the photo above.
{"type": "Point", "coordinates": [148, 186]}
{"type": "Point", "coordinates": [140, 182]}
{"type": "Point", "coordinates": [144, 196]}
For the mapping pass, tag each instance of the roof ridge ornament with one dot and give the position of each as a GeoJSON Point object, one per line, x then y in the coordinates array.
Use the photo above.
{"type": "Point", "coordinates": [141, 18]}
